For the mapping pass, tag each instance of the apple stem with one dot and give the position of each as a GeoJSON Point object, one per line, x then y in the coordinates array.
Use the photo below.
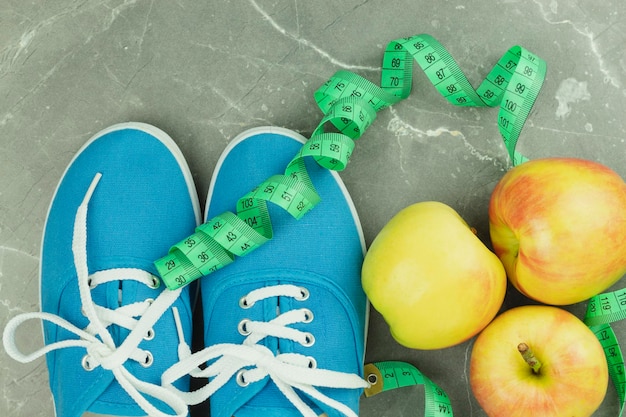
{"type": "Point", "coordinates": [529, 357]}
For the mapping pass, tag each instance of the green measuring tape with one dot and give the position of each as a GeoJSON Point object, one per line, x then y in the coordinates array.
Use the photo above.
{"type": "Point", "coordinates": [349, 103]}
{"type": "Point", "coordinates": [602, 310]}
{"type": "Point", "coordinates": [385, 376]}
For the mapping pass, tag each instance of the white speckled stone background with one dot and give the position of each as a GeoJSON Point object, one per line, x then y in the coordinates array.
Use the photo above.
{"type": "Point", "coordinates": [204, 71]}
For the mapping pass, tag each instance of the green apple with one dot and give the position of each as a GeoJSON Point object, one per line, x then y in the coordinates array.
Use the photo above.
{"type": "Point", "coordinates": [434, 282]}
{"type": "Point", "coordinates": [559, 227]}
{"type": "Point", "coordinates": [538, 361]}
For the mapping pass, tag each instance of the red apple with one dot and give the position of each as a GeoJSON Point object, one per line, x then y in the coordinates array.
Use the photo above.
{"type": "Point", "coordinates": [538, 361]}
{"type": "Point", "coordinates": [559, 227]}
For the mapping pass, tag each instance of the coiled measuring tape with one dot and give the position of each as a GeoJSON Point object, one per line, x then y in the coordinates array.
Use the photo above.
{"type": "Point", "coordinates": [349, 103]}
{"type": "Point", "coordinates": [602, 310]}
{"type": "Point", "coordinates": [385, 376]}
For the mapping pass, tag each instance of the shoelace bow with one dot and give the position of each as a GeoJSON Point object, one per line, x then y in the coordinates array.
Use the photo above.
{"type": "Point", "coordinates": [250, 362]}
{"type": "Point", "coordinates": [96, 339]}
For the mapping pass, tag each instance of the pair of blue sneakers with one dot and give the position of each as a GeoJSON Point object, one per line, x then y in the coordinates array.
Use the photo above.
{"type": "Point", "coordinates": [284, 327]}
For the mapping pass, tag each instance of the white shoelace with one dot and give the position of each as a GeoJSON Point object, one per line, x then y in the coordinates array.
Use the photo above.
{"type": "Point", "coordinates": [96, 339]}
{"type": "Point", "coordinates": [250, 362]}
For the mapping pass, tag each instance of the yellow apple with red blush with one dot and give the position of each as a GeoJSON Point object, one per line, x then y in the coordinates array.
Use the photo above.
{"type": "Point", "coordinates": [538, 361]}
{"type": "Point", "coordinates": [431, 278]}
{"type": "Point", "coordinates": [559, 227]}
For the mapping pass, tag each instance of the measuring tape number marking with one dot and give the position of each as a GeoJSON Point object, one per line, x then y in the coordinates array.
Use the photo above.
{"type": "Point", "coordinates": [388, 375]}
{"type": "Point", "coordinates": [602, 310]}
{"type": "Point", "coordinates": [349, 103]}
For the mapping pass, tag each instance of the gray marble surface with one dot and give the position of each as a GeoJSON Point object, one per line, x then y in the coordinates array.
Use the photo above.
{"type": "Point", "coordinates": [204, 71]}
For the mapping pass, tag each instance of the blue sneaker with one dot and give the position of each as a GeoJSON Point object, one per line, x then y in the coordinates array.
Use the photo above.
{"type": "Point", "coordinates": [284, 326]}
{"type": "Point", "coordinates": [110, 327]}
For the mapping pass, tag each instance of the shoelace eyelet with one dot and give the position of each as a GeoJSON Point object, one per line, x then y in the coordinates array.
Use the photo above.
{"type": "Point", "coordinates": [312, 362]}
{"type": "Point", "coordinates": [304, 294]}
{"type": "Point", "coordinates": [243, 327]}
{"type": "Point", "coordinates": [309, 340]}
{"type": "Point", "coordinates": [86, 364]}
{"type": "Point", "coordinates": [308, 316]}
{"type": "Point", "coordinates": [156, 283]}
{"type": "Point", "coordinates": [243, 303]}
{"type": "Point", "coordinates": [241, 381]}
{"type": "Point", "coordinates": [149, 335]}
{"type": "Point", "coordinates": [148, 361]}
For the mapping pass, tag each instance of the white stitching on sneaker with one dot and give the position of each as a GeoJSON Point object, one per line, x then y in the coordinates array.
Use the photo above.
{"type": "Point", "coordinates": [96, 339]}
{"type": "Point", "coordinates": [250, 362]}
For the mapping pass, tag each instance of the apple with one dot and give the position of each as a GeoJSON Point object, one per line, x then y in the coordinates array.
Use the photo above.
{"type": "Point", "coordinates": [559, 227]}
{"type": "Point", "coordinates": [538, 361]}
{"type": "Point", "coordinates": [433, 281]}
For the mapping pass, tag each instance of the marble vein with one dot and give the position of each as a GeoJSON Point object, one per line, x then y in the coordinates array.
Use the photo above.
{"type": "Point", "coordinates": [259, 61]}
{"type": "Point", "coordinates": [586, 135]}
{"type": "Point", "coordinates": [8, 304]}
{"type": "Point", "coordinates": [348, 12]}
{"type": "Point", "coordinates": [35, 88]}
{"type": "Point", "coordinates": [145, 28]}
{"type": "Point", "coordinates": [115, 12]}
{"type": "Point", "coordinates": [20, 252]}
{"type": "Point", "coordinates": [295, 5]}
{"type": "Point", "coordinates": [230, 104]}
{"type": "Point", "coordinates": [307, 43]}
{"type": "Point", "coordinates": [11, 54]}
{"type": "Point", "coordinates": [401, 128]}
{"type": "Point", "coordinates": [585, 32]}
